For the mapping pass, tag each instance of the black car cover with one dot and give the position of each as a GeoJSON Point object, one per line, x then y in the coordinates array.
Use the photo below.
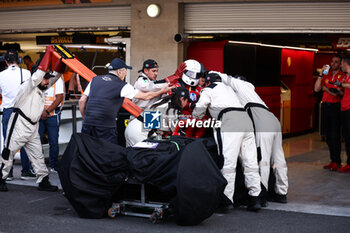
{"type": "Point", "coordinates": [92, 172]}
{"type": "Point", "coordinates": [199, 186]}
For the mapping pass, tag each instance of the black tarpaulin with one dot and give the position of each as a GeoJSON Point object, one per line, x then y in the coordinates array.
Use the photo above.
{"type": "Point", "coordinates": [199, 185]}
{"type": "Point", "coordinates": [91, 172]}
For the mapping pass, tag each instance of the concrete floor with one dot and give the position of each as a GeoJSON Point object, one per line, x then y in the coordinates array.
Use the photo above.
{"type": "Point", "coordinates": [312, 189]}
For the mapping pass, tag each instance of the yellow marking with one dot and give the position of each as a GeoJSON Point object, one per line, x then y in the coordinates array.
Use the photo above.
{"type": "Point", "coordinates": [126, 122]}
{"type": "Point", "coordinates": [64, 51]}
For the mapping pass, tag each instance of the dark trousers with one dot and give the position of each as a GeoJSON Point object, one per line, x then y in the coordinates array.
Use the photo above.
{"type": "Point", "coordinates": [103, 133]}
{"type": "Point", "coordinates": [346, 132]}
{"type": "Point", "coordinates": [332, 130]}
{"type": "Point", "coordinates": [24, 158]}
{"type": "Point", "coordinates": [52, 125]}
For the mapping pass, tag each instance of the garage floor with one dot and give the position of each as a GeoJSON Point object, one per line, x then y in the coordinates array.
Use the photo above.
{"type": "Point", "coordinates": [312, 188]}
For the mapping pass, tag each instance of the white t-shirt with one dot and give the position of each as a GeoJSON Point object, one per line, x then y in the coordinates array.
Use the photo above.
{"type": "Point", "coordinates": [50, 94]}
{"type": "Point", "coordinates": [10, 80]}
{"type": "Point", "coordinates": [127, 91]}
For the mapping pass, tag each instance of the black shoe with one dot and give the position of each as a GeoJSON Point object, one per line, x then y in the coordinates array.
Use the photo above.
{"type": "Point", "coordinates": [225, 205]}
{"type": "Point", "coordinates": [3, 186]}
{"type": "Point", "coordinates": [28, 175]}
{"type": "Point", "coordinates": [254, 204]}
{"type": "Point", "coordinates": [280, 198]}
{"type": "Point", "coordinates": [10, 176]}
{"type": "Point", "coordinates": [45, 185]}
{"type": "Point", "coordinates": [224, 209]}
{"type": "Point", "coordinates": [263, 202]}
{"type": "Point", "coordinates": [263, 196]}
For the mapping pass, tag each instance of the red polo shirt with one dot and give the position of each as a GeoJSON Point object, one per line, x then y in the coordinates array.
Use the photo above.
{"type": "Point", "coordinates": [328, 98]}
{"type": "Point", "coordinates": [345, 102]}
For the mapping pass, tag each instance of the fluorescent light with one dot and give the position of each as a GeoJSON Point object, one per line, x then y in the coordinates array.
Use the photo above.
{"type": "Point", "coordinates": [87, 46]}
{"type": "Point", "coordinates": [299, 48]}
{"type": "Point", "coordinates": [273, 46]}
{"type": "Point", "coordinates": [200, 37]}
{"type": "Point", "coordinates": [92, 46]}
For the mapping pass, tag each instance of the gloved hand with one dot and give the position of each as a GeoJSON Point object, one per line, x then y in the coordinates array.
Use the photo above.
{"type": "Point", "coordinates": [60, 67]}
{"type": "Point", "coordinates": [192, 105]}
{"type": "Point", "coordinates": [334, 90]}
{"type": "Point", "coordinates": [336, 83]}
{"type": "Point", "coordinates": [172, 79]}
{"type": "Point", "coordinates": [180, 70]}
{"type": "Point", "coordinates": [46, 60]}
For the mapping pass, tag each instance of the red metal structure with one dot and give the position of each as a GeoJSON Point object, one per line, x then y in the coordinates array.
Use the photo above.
{"type": "Point", "coordinates": [265, 66]}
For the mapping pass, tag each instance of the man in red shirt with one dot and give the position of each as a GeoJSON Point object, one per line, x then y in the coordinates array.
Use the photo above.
{"type": "Point", "coordinates": [29, 63]}
{"type": "Point", "coordinates": [331, 106]}
{"type": "Point", "coordinates": [345, 109]}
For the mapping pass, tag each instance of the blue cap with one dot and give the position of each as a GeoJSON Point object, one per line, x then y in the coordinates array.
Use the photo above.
{"type": "Point", "coordinates": [118, 63]}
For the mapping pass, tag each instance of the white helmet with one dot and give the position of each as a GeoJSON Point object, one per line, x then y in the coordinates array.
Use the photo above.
{"type": "Point", "coordinates": [191, 74]}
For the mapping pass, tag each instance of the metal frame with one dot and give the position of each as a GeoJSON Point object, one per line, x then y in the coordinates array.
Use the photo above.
{"type": "Point", "coordinates": [123, 207]}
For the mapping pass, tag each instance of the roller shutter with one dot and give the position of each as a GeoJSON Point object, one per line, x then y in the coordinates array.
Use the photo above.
{"type": "Point", "coordinates": [65, 18]}
{"type": "Point", "coordinates": [299, 17]}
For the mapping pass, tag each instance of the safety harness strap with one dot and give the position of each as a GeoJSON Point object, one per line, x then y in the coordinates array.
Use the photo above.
{"type": "Point", "coordinates": [6, 152]}
{"type": "Point", "coordinates": [11, 129]}
{"type": "Point", "coordinates": [19, 111]}
{"type": "Point", "coordinates": [218, 133]}
{"type": "Point", "coordinates": [249, 105]}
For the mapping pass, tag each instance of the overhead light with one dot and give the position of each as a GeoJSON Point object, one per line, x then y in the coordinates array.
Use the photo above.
{"type": "Point", "coordinates": [91, 46]}
{"type": "Point", "coordinates": [153, 10]}
{"type": "Point", "coordinates": [200, 37]}
{"type": "Point", "coordinates": [274, 46]}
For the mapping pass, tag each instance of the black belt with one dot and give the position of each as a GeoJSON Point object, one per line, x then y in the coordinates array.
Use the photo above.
{"type": "Point", "coordinates": [248, 105]}
{"type": "Point", "coordinates": [19, 111]}
{"type": "Point", "coordinates": [249, 111]}
{"type": "Point", "coordinates": [218, 133]}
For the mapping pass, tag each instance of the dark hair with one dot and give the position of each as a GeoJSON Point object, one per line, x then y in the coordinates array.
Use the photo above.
{"type": "Point", "coordinates": [27, 57]}
{"type": "Point", "coordinates": [337, 56]}
{"type": "Point", "coordinates": [346, 59]}
{"type": "Point", "coordinates": [173, 102]}
{"type": "Point", "coordinates": [11, 56]}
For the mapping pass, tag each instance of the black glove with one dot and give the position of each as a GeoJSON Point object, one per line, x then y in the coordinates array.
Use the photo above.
{"type": "Point", "coordinates": [334, 90]}
{"type": "Point", "coordinates": [335, 83]}
{"type": "Point", "coordinates": [192, 105]}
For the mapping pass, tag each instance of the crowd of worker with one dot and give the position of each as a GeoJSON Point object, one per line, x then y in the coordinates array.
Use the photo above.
{"type": "Point", "coordinates": [248, 133]}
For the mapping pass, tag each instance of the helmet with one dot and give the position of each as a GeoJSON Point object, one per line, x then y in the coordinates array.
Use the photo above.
{"type": "Point", "coordinates": [212, 77]}
{"type": "Point", "coordinates": [191, 74]}
{"type": "Point", "coordinates": [240, 77]}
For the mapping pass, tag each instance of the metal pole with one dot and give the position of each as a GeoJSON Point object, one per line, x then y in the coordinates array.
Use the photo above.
{"type": "Point", "coordinates": [74, 117]}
